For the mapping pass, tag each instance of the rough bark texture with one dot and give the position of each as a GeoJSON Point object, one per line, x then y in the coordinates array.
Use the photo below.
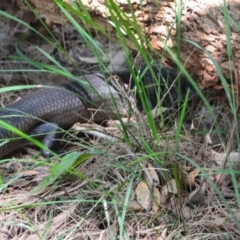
{"type": "Point", "coordinates": [202, 23]}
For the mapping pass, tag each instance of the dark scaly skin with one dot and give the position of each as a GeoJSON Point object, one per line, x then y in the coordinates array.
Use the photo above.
{"type": "Point", "coordinates": [61, 105]}
{"type": "Point", "coordinates": [69, 103]}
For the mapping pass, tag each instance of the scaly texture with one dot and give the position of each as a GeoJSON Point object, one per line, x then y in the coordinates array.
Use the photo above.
{"type": "Point", "coordinates": [91, 100]}
{"type": "Point", "coordinates": [64, 105]}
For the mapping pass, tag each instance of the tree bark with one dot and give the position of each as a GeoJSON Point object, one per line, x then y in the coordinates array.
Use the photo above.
{"type": "Point", "coordinates": [202, 22]}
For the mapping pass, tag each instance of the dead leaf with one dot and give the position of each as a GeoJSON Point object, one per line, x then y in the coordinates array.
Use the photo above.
{"type": "Point", "coordinates": [20, 183]}
{"type": "Point", "coordinates": [172, 186]}
{"type": "Point", "coordinates": [144, 196]}
{"type": "Point", "coordinates": [186, 212]}
{"type": "Point", "coordinates": [153, 174]}
{"type": "Point", "coordinates": [190, 178]}
{"type": "Point", "coordinates": [147, 174]}
{"type": "Point", "coordinates": [169, 188]}
{"type": "Point", "coordinates": [156, 200]}
{"type": "Point", "coordinates": [134, 206]}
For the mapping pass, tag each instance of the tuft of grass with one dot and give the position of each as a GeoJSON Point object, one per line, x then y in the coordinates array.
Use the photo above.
{"type": "Point", "coordinates": [127, 30]}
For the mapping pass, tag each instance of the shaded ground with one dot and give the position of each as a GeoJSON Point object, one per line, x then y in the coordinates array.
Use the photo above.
{"type": "Point", "coordinates": [117, 187]}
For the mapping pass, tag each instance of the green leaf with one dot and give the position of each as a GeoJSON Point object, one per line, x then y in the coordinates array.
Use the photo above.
{"type": "Point", "coordinates": [66, 163]}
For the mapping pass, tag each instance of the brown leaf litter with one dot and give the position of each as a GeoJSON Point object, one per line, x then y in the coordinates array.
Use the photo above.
{"type": "Point", "coordinates": [157, 194]}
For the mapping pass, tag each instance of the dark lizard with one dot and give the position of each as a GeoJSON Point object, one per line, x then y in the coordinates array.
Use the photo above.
{"type": "Point", "coordinates": [46, 110]}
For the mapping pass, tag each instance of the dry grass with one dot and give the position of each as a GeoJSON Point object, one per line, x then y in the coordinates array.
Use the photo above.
{"type": "Point", "coordinates": [77, 209]}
